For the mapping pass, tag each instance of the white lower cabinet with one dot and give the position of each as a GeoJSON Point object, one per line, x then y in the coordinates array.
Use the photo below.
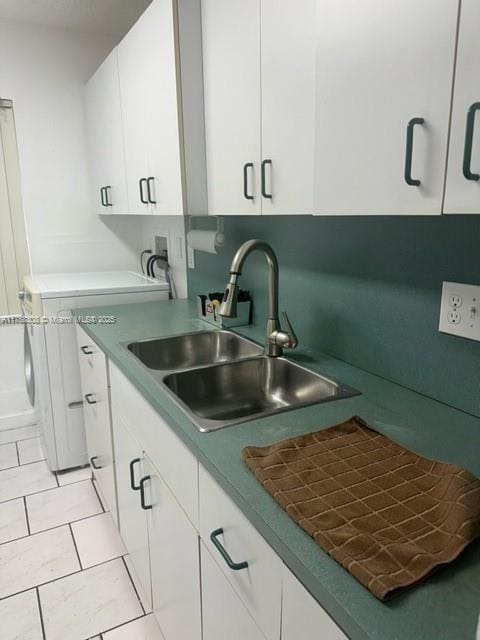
{"type": "Point", "coordinates": [174, 561]}
{"type": "Point", "coordinates": [96, 413]}
{"type": "Point", "coordinates": [248, 562]}
{"type": "Point", "coordinates": [215, 580]}
{"type": "Point", "coordinates": [302, 617]}
{"type": "Point", "coordinates": [224, 614]}
{"type": "Point", "coordinates": [130, 475]}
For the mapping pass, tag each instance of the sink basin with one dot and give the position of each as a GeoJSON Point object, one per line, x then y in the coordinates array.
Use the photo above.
{"type": "Point", "coordinates": [193, 350]}
{"type": "Point", "coordinates": [222, 395]}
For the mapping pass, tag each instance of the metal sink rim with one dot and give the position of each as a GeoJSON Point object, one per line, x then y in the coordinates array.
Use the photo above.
{"type": "Point", "coordinates": [206, 425]}
{"type": "Point", "coordinates": [164, 372]}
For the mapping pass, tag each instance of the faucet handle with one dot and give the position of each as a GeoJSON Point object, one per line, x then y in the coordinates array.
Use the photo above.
{"type": "Point", "coordinates": [291, 332]}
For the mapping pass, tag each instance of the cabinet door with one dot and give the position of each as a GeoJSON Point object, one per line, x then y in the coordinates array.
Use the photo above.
{"type": "Point", "coordinates": [463, 175]}
{"type": "Point", "coordinates": [380, 65]}
{"type": "Point", "coordinates": [134, 95]}
{"type": "Point", "coordinates": [288, 105]}
{"type": "Point", "coordinates": [224, 615]}
{"type": "Point", "coordinates": [174, 558]}
{"type": "Point", "coordinates": [96, 413]}
{"type": "Point", "coordinates": [97, 416]}
{"type": "Point", "coordinates": [161, 105]}
{"type": "Point", "coordinates": [132, 519]}
{"type": "Point", "coordinates": [148, 85]}
{"type": "Point", "coordinates": [302, 617]}
{"type": "Point", "coordinates": [106, 139]}
{"type": "Point", "coordinates": [231, 67]}
{"type": "Point", "coordinates": [258, 585]}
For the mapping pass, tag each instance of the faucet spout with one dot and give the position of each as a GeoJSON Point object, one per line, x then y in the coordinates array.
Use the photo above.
{"type": "Point", "coordinates": [276, 339]}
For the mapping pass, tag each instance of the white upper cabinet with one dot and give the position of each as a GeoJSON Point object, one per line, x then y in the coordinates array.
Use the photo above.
{"type": "Point", "coordinates": [463, 174]}
{"type": "Point", "coordinates": [288, 105]}
{"type": "Point", "coordinates": [104, 120]}
{"type": "Point", "coordinates": [146, 117]}
{"type": "Point", "coordinates": [231, 63]}
{"type": "Point", "coordinates": [259, 78]}
{"type": "Point", "coordinates": [383, 87]}
{"type": "Point", "coordinates": [148, 91]}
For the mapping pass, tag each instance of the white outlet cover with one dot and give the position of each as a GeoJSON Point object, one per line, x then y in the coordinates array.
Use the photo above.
{"type": "Point", "coordinates": [460, 310]}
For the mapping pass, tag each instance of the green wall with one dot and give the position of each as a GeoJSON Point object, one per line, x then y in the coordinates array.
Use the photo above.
{"type": "Point", "coordinates": [365, 290]}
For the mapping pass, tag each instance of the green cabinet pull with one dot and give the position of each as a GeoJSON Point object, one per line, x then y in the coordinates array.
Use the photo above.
{"type": "Point", "coordinates": [409, 152]}
{"type": "Point", "coordinates": [236, 566]}
{"type": "Point", "coordinates": [467, 150]}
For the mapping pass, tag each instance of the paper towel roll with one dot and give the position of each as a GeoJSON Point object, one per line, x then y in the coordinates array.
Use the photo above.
{"type": "Point", "coordinates": [205, 240]}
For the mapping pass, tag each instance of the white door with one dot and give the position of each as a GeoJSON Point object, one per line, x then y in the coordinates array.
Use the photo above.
{"type": "Point", "coordinates": [174, 558]}
{"type": "Point", "coordinates": [224, 615]}
{"type": "Point", "coordinates": [106, 153]}
{"type": "Point", "coordinates": [463, 175]}
{"type": "Point", "coordinates": [130, 473]}
{"type": "Point", "coordinates": [96, 414]}
{"type": "Point", "coordinates": [148, 86]}
{"type": "Point", "coordinates": [302, 617]}
{"type": "Point", "coordinates": [288, 105]}
{"type": "Point", "coordinates": [163, 137]}
{"type": "Point", "coordinates": [231, 68]}
{"type": "Point", "coordinates": [132, 70]}
{"type": "Point", "coordinates": [89, 399]}
{"type": "Point", "coordinates": [383, 67]}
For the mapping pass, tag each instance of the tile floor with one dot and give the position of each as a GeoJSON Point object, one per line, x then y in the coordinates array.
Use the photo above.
{"type": "Point", "coordinates": [64, 570]}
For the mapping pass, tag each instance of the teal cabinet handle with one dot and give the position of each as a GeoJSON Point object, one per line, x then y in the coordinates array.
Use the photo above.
{"type": "Point", "coordinates": [409, 152]}
{"type": "Point", "coordinates": [142, 493]}
{"type": "Point", "coordinates": [133, 486]}
{"type": "Point", "coordinates": [467, 150]}
{"type": "Point", "coordinates": [264, 179]}
{"type": "Point", "coordinates": [236, 566]}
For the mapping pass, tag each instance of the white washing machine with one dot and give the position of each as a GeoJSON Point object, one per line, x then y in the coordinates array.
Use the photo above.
{"type": "Point", "coordinates": [51, 358]}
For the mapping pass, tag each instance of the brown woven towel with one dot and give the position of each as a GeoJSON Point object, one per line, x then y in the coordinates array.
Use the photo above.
{"type": "Point", "coordinates": [387, 515]}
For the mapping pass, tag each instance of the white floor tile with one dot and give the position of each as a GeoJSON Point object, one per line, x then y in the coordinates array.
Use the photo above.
{"type": "Point", "coordinates": [20, 617]}
{"type": "Point", "coordinates": [145, 628]}
{"type": "Point", "coordinates": [97, 540]}
{"type": "Point", "coordinates": [89, 602]}
{"type": "Point", "coordinates": [31, 561]}
{"type": "Point", "coordinates": [75, 475]}
{"type": "Point", "coordinates": [30, 478]}
{"type": "Point", "coordinates": [61, 505]}
{"type": "Point", "coordinates": [13, 435]}
{"type": "Point", "coordinates": [13, 522]}
{"type": "Point", "coordinates": [30, 451]}
{"type": "Point", "coordinates": [8, 456]}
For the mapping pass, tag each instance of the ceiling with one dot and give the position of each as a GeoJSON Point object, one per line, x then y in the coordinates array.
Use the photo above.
{"type": "Point", "coordinates": [108, 17]}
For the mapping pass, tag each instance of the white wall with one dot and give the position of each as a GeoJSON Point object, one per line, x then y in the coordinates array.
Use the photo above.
{"type": "Point", "coordinates": [43, 71]}
{"type": "Point", "coordinates": [173, 228]}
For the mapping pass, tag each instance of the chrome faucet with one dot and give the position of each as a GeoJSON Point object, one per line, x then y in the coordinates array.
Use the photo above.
{"type": "Point", "coordinates": [276, 339]}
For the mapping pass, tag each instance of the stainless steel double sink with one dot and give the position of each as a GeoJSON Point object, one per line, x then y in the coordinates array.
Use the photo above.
{"type": "Point", "coordinates": [219, 378]}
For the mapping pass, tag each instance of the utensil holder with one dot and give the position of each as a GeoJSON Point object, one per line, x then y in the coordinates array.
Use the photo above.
{"type": "Point", "coordinates": [212, 316]}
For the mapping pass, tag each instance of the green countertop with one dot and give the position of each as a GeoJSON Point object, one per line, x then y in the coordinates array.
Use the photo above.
{"type": "Point", "coordinates": [447, 605]}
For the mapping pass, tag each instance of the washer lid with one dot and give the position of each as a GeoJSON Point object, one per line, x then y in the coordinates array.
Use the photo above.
{"type": "Point", "coordinates": [62, 285]}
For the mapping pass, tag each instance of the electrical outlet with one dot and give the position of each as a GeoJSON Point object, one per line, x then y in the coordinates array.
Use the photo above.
{"type": "Point", "coordinates": [460, 310]}
{"type": "Point", "coordinates": [161, 246]}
